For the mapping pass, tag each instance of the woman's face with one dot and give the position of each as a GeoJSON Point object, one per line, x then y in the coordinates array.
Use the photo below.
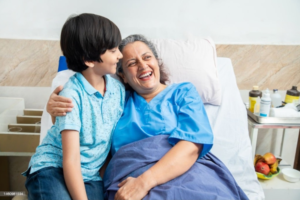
{"type": "Point", "coordinates": [140, 67]}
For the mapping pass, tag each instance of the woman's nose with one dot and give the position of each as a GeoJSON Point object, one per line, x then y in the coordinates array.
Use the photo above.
{"type": "Point", "coordinates": [142, 65]}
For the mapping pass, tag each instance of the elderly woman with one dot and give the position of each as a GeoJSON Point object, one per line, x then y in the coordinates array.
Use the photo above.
{"type": "Point", "coordinates": [161, 144]}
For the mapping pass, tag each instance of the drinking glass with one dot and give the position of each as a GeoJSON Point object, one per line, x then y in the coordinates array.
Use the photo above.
{"type": "Point", "coordinates": [14, 129]}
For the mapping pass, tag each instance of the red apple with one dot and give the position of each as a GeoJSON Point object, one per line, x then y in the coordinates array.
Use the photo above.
{"type": "Point", "coordinates": [262, 167]}
{"type": "Point", "coordinates": [269, 158]}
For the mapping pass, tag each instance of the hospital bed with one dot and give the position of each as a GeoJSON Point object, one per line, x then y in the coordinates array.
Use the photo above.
{"type": "Point", "coordinates": [231, 137]}
{"type": "Point", "coordinates": [228, 120]}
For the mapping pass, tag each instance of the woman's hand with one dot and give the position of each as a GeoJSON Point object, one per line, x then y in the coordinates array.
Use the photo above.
{"type": "Point", "coordinates": [57, 105]}
{"type": "Point", "coordinates": [134, 188]}
{"type": "Point", "coordinates": [174, 163]}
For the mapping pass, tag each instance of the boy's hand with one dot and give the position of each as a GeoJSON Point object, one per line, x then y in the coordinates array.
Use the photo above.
{"type": "Point", "coordinates": [57, 105]}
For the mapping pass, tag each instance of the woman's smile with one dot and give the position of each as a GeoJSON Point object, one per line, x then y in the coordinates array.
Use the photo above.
{"type": "Point", "coordinates": [141, 70]}
{"type": "Point", "coordinates": [145, 76]}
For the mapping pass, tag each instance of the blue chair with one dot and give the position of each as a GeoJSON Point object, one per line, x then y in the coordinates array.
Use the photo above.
{"type": "Point", "coordinates": [62, 65]}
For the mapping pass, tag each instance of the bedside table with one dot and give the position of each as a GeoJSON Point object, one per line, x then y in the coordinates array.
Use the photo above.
{"type": "Point", "coordinates": [277, 188]}
{"type": "Point", "coordinates": [254, 126]}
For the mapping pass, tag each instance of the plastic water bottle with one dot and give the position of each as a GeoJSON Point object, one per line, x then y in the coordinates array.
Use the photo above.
{"type": "Point", "coordinates": [276, 99]}
{"type": "Point", "coordinates": [265, 104]}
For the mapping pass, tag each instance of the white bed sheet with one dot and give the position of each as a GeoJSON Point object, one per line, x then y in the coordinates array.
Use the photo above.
{"type": "Point", "coordinates": [229, 123]}
{"type": "Point", "coordinates": [231, 137]}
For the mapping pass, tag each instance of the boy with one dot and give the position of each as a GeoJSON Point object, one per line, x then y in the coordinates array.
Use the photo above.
{"type": "Point", "coordinates": [66, 165]}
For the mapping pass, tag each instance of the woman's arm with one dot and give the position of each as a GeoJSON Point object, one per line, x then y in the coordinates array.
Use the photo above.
{"type": "Point", "coordinates": [173, 164]}
{"type": "Point", "coordinates": [72, 165]}
{"type": "Point", "coordinates": [58, 105]}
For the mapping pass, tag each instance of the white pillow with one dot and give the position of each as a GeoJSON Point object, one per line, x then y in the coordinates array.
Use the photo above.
{"type": "Point", "coordinates": [193, 61]}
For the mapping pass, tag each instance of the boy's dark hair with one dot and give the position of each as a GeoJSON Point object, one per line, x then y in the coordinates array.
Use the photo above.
{"type": "Point", "coordinates": [85, 37]}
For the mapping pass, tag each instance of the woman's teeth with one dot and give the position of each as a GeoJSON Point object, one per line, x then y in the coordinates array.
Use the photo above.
{"type": "Point", "coordinates": [146, 74]}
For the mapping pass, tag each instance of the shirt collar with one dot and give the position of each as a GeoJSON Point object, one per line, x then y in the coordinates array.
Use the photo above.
{"type": "Point", "coordinates": [108, 83]}
{"type": "Point", "coordinates": [88, 87]}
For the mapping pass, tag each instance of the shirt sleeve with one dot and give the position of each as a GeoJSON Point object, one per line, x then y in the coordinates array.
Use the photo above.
{"type": "Point", "coordinates": [192, 121]}
{"type": "Point", "coordinates": [122, 100]}
{"type": "Point", "coordinates": [72, 120]}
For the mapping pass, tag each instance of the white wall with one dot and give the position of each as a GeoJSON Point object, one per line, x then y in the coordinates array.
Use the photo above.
{"type": "Point", "coordinates": [226, 21]}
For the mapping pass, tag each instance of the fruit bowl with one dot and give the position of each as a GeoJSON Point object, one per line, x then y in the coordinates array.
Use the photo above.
{"type": "Point", "coordinates": [267, 177]}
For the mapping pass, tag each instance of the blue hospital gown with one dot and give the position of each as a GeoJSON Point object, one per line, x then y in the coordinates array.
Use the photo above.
{"type": "Point", "coordinates": [177, 111]}
{"type": "Point", "coordinates": [93, 116]}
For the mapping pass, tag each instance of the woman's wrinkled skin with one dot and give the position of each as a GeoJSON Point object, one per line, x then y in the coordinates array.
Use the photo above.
{"type": "Point", "coordinates": [141, 70]}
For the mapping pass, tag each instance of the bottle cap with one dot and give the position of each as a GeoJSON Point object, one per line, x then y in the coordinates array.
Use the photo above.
{"type": "Point", "coordinates": [275, 90]}
{"type": "Point", "coordinates": [294, 88]}
{"type": "Point", "coordinates": [255, 87]}
{"type": "Point", "coordinates": [266, 93]}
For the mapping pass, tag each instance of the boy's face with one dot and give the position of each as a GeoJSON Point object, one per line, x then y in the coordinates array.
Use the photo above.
{"type": "Point", "coordinates": [110, 59]}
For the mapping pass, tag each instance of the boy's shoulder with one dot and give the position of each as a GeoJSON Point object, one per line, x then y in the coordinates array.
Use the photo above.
{"type": "Point", "coordinates": [115, 83]}
{"type": "Point", "coordinates": [72, 88]}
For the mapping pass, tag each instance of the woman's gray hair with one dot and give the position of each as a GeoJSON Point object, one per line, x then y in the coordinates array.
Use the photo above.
{"type": "Point", "coordinates": [132, 39]}
{"type": "Point", "coordinates": [164, 78]}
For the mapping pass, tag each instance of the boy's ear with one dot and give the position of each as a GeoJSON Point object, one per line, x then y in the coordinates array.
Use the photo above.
{"type": "Point", "coordinates": [123, 77]}
{"type": "Point", "coordinates": [90, 64]}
